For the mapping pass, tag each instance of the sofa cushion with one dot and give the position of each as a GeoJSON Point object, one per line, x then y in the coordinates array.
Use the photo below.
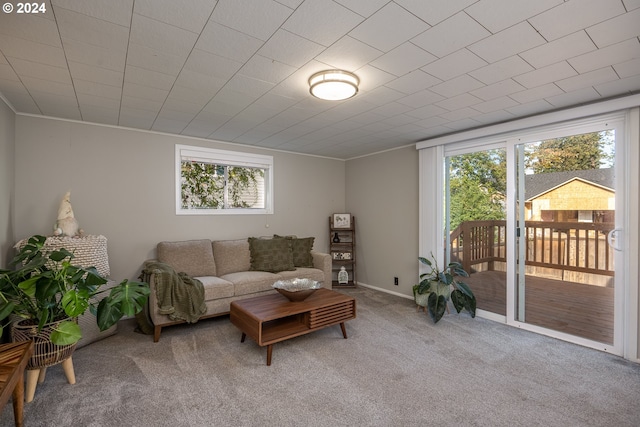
{"type": "Point", "coordinates": [270, 255]}
{"type": "Point", "coordinates": [301, 251]}
{"type": "Point", "coordinates": [193, 257]}
{"type": "Point", "coordinates": [215, 287]}
{"type": "Point", "coordinates": [250, 282]}
{"type": "Point", "coordinates": [231, 256]}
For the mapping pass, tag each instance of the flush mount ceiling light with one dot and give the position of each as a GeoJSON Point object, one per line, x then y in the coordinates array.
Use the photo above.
{"type": "Point", "coordinates": [333, 85]}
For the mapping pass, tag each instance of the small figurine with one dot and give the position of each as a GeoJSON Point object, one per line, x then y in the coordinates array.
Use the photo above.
{"type": "Point", "coordinates": [67, 225]}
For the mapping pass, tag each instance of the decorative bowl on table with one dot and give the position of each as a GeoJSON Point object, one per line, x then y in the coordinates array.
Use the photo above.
{"type": "Point", "coordinates": [297, 289]}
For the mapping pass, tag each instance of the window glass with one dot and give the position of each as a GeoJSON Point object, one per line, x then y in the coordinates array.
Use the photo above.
{"type": "Point", "coordinates": [217, 182]}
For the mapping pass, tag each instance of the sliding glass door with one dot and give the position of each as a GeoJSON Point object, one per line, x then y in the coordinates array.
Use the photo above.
{"type": "Point", "coordinates": [475, 222]}
{"type": "Point", "coordinates": [566, 220]}
{"type": "Point", "coordinates": [535, 219]}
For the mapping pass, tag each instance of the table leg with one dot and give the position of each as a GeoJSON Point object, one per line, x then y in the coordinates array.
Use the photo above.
{"type": "Point", "coordinates": [344, 330]}
{"type": "Point", "coordinates": [18, 403]}
{"type": "Point", "coordinates": [243, 337]}
{"type": "Point", "coordinates": [269, 351]}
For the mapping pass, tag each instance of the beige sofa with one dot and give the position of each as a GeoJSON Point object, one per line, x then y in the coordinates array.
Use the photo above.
{"type": "Point", "coordinates": [235, 269]}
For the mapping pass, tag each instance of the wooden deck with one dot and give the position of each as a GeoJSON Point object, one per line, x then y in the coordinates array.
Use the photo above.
{"type": "Point", "coordinates": [582, 310]}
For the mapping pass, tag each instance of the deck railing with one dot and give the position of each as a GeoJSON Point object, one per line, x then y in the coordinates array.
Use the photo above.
{"type": "Point", "coordinates": [568, 246]}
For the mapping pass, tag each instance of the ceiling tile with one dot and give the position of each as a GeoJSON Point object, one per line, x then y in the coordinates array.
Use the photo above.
{"type": "Point", "coordinates": [508, 42]}
{"type": "Point", "coordinates": [456, 86]}
{"type": "Point", "coordinates": [625, 86]}
{"type": "Point", "coordinates": [413, 82]}
{"type": "Point", "coordinates": [462, 113]}
{"type": "Point", "coordinates": [95, 74]}
{"type": "Point", "coordinates": [453, 34]}
{"type": "Point", "coordinates": [389, 27]}
{"type": "Point", "coordinates": [510, 12]}
{"type": "Point", "coordinates": [494, 117]}
{"type": "Point", "coordinates": [290, 49]}
{"type": "Point", "coordinates": [144, 92]}
{"type": "Point", "coordinates": [501, 70]}
{"type": "Point", "coordinates": [191, 15]}
{"type": "Point", "coordinates": [496, 90]}
{"type": "Point", "coordinates": [460, 62]}
{"type": "Point", "coordinates": [31, 28]}
{"type": "Point", "coordinates": [257, 19]}
{"type": "Point", "coordinates": [573, 98]}
{"type": "Point", "coordinates": [537, 93]}
{"type": "Point", "coordinates": [572, 16]}
{"type": "Point", "coordinates": [545, 75]}
{"type": "Point", "coordinates": [115, 11]}
{"type": "Point", "coordinates": [154, 60]}
{"type": "Point", "coordinates": [591, 78]}
{"type": "Point", "coordinates": [98, 101]}
{"type": "Point", "coordinates": [266, 69]}
{"type": "Point", "coordinates": [460, 101]}
{"type": "Point", "coordinates": [322, 21]}
{"type": "Point", "coordinates": [169, 125]}
{"type": "Point", "coordinates": [421, 98]}
{"type": "Point", "coordinates": [136, 103]}
{"type": "Point", "coordinates": [13, 47]}
{"type": "Point", "coordinates": [110, 59]}
{"type": "Point", "coordinates": [97, 89]}
{"type": "Point", "coordinates": [631, 4]}
{"type": "Point", "coordinates": [227, 42]}
{"type": "Point", "coordinates": [495, 105]}
{"type": "Point", "coordinates": [92, 31]}
{"type": "Point", "coordinates": [40, 71]}
{"type": "Point", "coordinates": [209, 63]}
{"type": "Point", "coordinates": [434, 12]}
{"type": "Point", "coordinates": [187, 99]}
{"type": "Point", "coordinates": [610, 55]}
{"type": "Point", "coordinates": [348, 54]}
{"type": "Point", "coordinates": [628, 68]}
{"type": "Point", "coordinates": [405, 58]}
{"type": "Point", "coordinates": [149, 78]}
{"type": "Point", "coordinates": [162, 37]}
{"type": "Point", "coordinates": [559, 50]}
{"type": "Point", "coordinates": [364, 8]}
{"type": "Point", "coordinates": [616, 29]}
{"type": "Point", "coordinates": [531, 108]}
{"type": "Point", "coordinates": [427, 111]}
{"type": "Point", "coordinates": [48, 86]}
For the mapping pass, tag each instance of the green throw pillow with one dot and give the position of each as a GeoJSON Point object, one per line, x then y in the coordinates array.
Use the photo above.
{"type": "Point", "coordinates": [300, 250]}
{"type": "Point", "coordinates": [272, 255]}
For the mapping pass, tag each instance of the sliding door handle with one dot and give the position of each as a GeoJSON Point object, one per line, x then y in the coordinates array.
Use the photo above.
{"type": "Point", "coordinates": [613, 239]}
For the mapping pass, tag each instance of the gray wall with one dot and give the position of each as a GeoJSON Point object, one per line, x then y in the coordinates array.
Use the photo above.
{"type": "Point", "coordinates": [122, 186]}
{"type": "Point", "coordinates": [382, 193]}
{"type": "Point", "coordinates": [7, 138]}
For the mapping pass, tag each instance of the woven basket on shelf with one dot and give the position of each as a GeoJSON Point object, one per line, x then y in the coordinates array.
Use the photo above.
{"type": "Point", "coordinates": [88, 251]}
{"type": "Point", "coordinates": [45, 353]}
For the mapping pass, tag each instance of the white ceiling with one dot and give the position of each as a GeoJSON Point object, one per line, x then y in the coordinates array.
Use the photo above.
{"type": "Point", "coordinates": [237, 70]}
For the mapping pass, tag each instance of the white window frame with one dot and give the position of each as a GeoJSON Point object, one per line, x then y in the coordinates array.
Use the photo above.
{"type": "Point", "coordinates": [227, 158]}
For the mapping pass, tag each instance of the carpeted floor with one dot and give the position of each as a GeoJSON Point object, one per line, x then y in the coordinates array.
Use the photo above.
{"type": "Point", "coordinates": [396, 369]}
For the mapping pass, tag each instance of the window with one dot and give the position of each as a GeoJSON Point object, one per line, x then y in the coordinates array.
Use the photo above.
{"type": "Point", "coordinates": [212, 181]}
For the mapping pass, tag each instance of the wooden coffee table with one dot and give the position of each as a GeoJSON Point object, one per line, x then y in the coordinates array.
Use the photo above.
{"type": "Point", "coordinates": [273, 318]}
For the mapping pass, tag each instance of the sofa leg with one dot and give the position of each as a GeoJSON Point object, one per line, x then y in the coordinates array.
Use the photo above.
{"type": "Point", "coordinates": [156, 333]}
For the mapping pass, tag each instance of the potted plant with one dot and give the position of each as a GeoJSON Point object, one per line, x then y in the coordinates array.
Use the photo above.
{"type": "Point", "coordinates": [437, 286]}
{"type": "Point", "coordinates": [46, 287]}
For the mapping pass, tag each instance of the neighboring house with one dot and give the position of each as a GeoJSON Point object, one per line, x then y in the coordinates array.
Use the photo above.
{"type": "Point", "coordinates": [574, 196]}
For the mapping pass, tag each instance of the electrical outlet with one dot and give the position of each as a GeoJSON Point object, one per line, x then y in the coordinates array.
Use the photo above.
{"type": "Point", "coordinates": [395, 281]}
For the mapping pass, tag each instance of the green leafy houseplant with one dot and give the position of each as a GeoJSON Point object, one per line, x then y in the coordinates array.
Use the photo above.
{"type": "Point", "coordinates": [46, 287]}
{"type": "Point", "coordinates": [441, 285]}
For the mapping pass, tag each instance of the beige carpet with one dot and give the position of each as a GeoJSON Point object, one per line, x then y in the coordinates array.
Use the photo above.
{"type": "Point", "coordinates": [396, 369]}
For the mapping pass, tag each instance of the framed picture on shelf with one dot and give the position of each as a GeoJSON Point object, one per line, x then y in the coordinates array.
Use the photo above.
{"type": "Point", "coordinates": [341, 220]}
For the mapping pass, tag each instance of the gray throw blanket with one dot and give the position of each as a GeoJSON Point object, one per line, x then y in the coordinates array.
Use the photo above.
{"type": "Point", "coordinates": [179, 296]}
